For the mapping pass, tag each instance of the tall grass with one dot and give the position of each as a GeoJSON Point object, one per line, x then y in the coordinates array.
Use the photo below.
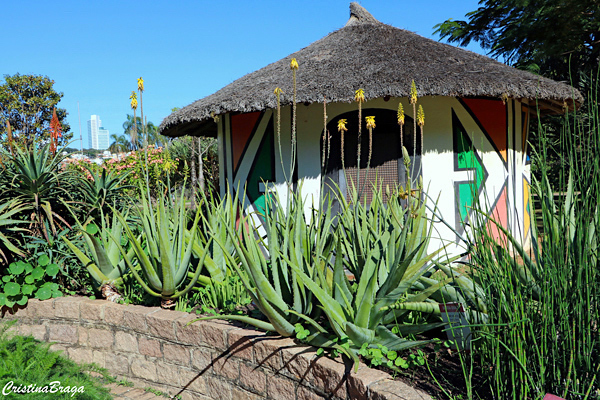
{"type": "Point", "coordinates": [544, 304]}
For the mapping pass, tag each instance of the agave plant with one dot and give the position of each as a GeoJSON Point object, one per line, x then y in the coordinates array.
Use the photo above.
{"type": "Point", "coordinates": [103, 260]}
{"type": "Point", "coordinates": [164, 249]}
{"type": "Point", "coordinates": [40, 184]}
{"type": "Point", "coordinates": [384, 248]}
{"type": "Point", "coordinates": [8, 222]}
{"type": "Point", "coordinates": [102, 191]}
{"type": "Point", "coordinates": [270, 279]}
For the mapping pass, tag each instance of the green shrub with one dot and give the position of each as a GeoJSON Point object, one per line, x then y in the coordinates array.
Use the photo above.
{"type": "Point", "coordinates": [24, 281]}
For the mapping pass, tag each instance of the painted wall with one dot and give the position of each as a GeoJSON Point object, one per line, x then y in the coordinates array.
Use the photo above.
{"type": "Point", "coordinates": [474, 150]}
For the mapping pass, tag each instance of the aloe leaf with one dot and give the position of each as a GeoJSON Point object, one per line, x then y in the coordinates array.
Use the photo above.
{"type": "Point", "coordinates": [359, 335]}
{"type": "Point", "coordinates": [265, 326]}
{"type": "Point", "coordinates": [386, 338]}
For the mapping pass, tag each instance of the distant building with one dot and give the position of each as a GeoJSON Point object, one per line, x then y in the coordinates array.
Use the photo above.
{"type": "Point", "coordinates": [97, 135]}
{"type": "Point", "coordinates": [102, 139]}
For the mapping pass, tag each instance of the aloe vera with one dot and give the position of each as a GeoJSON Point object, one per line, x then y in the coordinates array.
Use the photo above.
{"type": "Point", "coordinates": [164, 248]}
{"type": "Point", "coordinates": [103, 258]}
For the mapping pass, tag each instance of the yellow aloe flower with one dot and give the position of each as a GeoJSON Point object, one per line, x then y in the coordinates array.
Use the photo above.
{"type": "Point", "coordinates": [294, 64]}
{"type": "Point", "coordinates": [359, 96]}
{"type": "Point", "coordinates": [140, 83]}
{"type": "Point", "coordinates": [400, 114]}
{"type": "Point", "coordinates": [278, 91]}
{"type": "Point", "coordinates": [370, 122]}
{"type": "Point", "coordinates": [413, 93]}
{"type": "Point", "coordinates": [133, 98]}
{"type": "Point", "coordinates": [342, 125]}
{"type": "Point", "coordinates": [421, 117]}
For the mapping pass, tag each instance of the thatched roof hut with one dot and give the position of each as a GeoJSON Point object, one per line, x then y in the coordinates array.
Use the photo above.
{"type": "Point", "coordinates": [383, 60]}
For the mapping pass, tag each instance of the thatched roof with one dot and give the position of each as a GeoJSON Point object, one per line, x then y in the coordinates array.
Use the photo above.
{"type": "Point", "coordinates": [379, 58]}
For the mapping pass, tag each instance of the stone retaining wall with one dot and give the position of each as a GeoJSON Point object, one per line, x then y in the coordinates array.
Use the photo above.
{"type": "Point", "coordinates": [205, 360]}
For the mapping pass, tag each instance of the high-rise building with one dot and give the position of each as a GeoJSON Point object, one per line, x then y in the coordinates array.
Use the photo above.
{"type": "Point", "coordinates": [102, 138]}
{"type": "Point", "coordinates": [93, 124]}
{"type": "Point", "coordinates": [97, 135]}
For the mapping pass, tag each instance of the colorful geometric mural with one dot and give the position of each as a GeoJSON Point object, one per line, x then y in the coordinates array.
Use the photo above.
{"type": "Point", "coordinates": [526, 209]}
{"type": "Point", "coordinates": [466, 159]}
{"type": "Point", "coordinates": [262, 170]}
{"type": "Point", "coordinates": [491, 116]}
{"type": "Point", "coordinates": [243, 127]}
{"type": "Point", "coordinates": [499, 213]}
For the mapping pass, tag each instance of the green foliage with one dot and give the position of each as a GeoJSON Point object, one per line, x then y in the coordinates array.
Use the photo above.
{"type": "Point", "coordinates": [164, 249]}
{"type": "Point", "coordinates": [41, 187]}
{"type": "Point", "coordinates": [27, 102]}
{"type": "Point", "coordinates": [8, 211]}
{"type": "Point", "coordinates": [105, 189]}
{"type": "Point", "coordinates": [105, 264]}
{"type": "Point", "coordinates": [24, 361]}
{"type": "Point", "coordinates": [542, 34]}
{"type": "Point", "coordinates": [542, 333]}
{"type": "Point", "coordinates": [24, 280]}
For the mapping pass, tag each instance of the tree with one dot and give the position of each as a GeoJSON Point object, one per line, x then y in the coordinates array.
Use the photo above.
{"type": "Point", "coordinates": [119, 143]}
{"type": "Point", "coordinates": [154, 137]}
{"type": "Point", "coordinates": [27, 103]}
{"type": "Point", "coordinates": [557, 38]}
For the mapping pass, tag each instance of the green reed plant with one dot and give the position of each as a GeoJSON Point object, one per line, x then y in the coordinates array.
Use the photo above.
{"type": "Point", "coordinates": [543, 332]}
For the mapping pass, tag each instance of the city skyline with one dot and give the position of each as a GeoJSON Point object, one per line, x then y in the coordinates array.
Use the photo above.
{"type": "Point", "coordinates": [98, 136]}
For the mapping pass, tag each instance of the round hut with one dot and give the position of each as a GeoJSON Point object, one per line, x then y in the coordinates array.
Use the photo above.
{"type": "Point", "coordinates": [474, 143]}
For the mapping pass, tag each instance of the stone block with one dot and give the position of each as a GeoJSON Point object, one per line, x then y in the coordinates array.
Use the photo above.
{"type": "Point", "coordinates": [43, 309]}
{"type": "Point", "coordinates": [63, 334]}
{"type": "Point", "coordinates": [192, 380]}
{"type": "Point", "coordinates": [100, 338]}
{"type": "Point", "coordinates": [267, 352]}
{"type": "Point", "coordinates": [144, 369]}
{"type": "Point", "coordinates": [297, 361]}
{"type": "Point", "coordinates": [126, 342]}
{"type": "Point", "coordinates": [58, 347]}
{"type": "Point", "coordinates": [240, 342]}
{"type": "Point", "coordinates": [113, 313]}
{"type": "Point", "coordinates": [160, 323]}
{"type": "Point", "coordinates": [149, 347]}
{"type": "Point", "coordinates": [395, 390]}
{"type": "Point", "coordinates": [117, 364]}
{"type": "Point", "coordinates": [99, 358]}
{"type": "Point", "coordinates": [177, 354]}
{"type": "Point", "coordinates": [167, 373]}
{"type": "Point", "coordinates": [253, 378]}
{"type": "Point", "coordinates": [213, 333]}
{"type": "Point", "coordinates": [188, 334]}
{"type": "Point", "coordinates": [83, 336]}
{"type": "Point", "coordinates": [226, 367]}
{"type": "Point", "coordinates": [330, 376]}
{"type": "Point", "coordinates": [39, 332]}
{"type": "Point", "coordinates": [134, 317]}
{"type": "Point", "coordinates": [218, 389]}
{"type": "Point", "coordinates": [280, 388]}
{"type": "Point", "coordinates": [67, 307]}
{"type": "Point", "coordinates": [92, 310]}
{"type": "Point", "coordinates": [80, 355]}
{"type": "Point", "coordinates": [202, 359]}
{"type": "Point", "coordinates": [305, 393]}
{"type": "Point", "coordinates": [359, 382]}
{"type": "Point", "coordinates": [241, 394]}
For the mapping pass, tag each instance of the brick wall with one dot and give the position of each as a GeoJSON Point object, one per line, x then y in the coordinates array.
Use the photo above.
{"type": "Point", "coordinates": [205, 360]}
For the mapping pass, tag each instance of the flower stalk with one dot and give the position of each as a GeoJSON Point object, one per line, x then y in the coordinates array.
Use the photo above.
{"type": "Point", "coordinates": [294, 68]}
{"type": "Point", "coordinates": [278, 92]}
{"type": "Point", "coordinates": [359, 97]}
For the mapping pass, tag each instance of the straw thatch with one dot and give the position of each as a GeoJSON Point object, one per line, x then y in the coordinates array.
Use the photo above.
{"type": "Point", "coordinates": [379, 58]}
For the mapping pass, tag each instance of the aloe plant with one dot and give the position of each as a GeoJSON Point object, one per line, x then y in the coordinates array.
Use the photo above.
{"type": "Point", "coordinates": [164, 249]}
{"type": "Point", "coordinates": [270, 279]}
{"type": "Point", "coordinates": [384, 248]}
{"type": "Point", "coordinates": [103, 260]}
{"type": "Point", "coordinates": [8, 211]}
{"type": "Point", "coordinates": [102, 190]}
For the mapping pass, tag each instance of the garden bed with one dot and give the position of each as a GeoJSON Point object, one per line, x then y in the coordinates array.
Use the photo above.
{"type": "Point", "coordinates": [204, 360]}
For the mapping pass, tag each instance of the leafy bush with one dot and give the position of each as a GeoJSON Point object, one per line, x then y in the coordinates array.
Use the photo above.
{"type": "Point", "coordinates": [24, 281]}
{"type": "Point", "coordinates": [24, 361]}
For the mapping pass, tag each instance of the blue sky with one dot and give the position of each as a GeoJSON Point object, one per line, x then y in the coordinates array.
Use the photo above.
{"type": "Point", "coordinates": [184, 50]}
